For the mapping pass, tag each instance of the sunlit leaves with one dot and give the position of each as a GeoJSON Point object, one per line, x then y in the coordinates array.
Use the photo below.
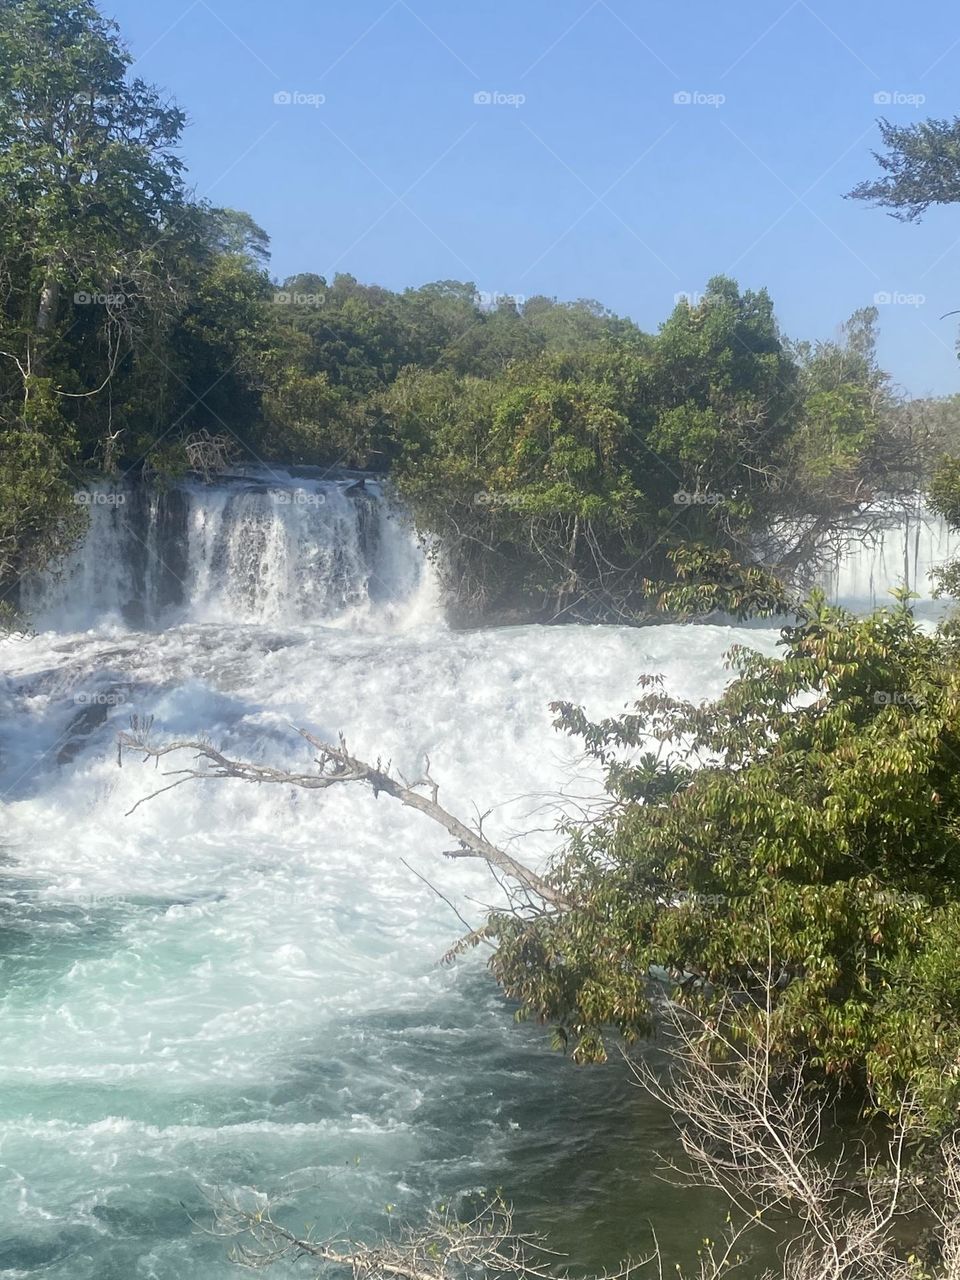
{"type": "Point", "coordinates": [802, 826]}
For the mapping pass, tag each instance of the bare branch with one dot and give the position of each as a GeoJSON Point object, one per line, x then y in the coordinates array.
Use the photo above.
{"type": "Point", "coordinates": [446, 1248]}
{"type": "Point", "coordinates": [750, 1127]}
{"type": "Point", "coordinates": [473, 935]}
{"type": "Point", "coordinates": [335, 765]}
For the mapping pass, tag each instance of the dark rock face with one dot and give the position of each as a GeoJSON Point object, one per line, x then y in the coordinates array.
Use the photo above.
{"type": "Point", "coordinates": [157, 547]}
{"type": "Point", "coordinates": [87, 719]}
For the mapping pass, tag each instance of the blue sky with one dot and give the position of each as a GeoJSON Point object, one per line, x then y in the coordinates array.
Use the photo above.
{"type": "Point", "coordinates": [583, 177]}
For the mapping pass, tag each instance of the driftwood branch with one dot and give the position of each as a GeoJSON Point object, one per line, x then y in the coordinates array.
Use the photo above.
{"type": "Point", "coordinates": [485, 1244]}
{"type": "Point", "coordinates": [334, 764]}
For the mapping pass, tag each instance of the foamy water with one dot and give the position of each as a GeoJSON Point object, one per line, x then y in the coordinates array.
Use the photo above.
{"type": "Point", "coordinates": [239, 986]}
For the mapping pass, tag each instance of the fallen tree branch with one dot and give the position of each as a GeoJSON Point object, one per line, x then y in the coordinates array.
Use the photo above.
{"type": "Point", "coordinates": [483, 1245]}
{"type": "Point", "coordinates": [336, 765]}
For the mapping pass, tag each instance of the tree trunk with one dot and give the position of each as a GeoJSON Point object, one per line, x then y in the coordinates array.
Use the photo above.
{"type": "Point", "coordinates": [570, 581]}
{"type": "Point", "coordinates": [49, 308]}
{"type": "Point", "coordinates": [49, 303]}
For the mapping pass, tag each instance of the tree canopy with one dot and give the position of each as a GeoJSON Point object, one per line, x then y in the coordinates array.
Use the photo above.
{"type": "Point", "coordinates": [566, 461]}
{"type": "Point", "coordinates": [805, 824]}
{"type": "Point", "coordinates": [920, 167]}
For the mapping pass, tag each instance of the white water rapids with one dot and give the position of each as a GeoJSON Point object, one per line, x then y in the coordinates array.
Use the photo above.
{"type": "Point", "coordinates": [238, 987]}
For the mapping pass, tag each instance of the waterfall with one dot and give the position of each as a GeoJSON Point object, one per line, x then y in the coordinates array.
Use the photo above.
{"type": "Point", "coordinates": [887, 548]}
{"type": "Point", "coordinates": [258, 548]}
{"type": "Point", "coordinates": [285, 547]}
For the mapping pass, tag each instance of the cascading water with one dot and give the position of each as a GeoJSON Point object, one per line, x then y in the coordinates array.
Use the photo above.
{"type": "Point", "coordinates": [903, 549]}
{"type": "Point", "coordinates": [238, 987]}
{"type": "Point", "coordinates": [265, 547]}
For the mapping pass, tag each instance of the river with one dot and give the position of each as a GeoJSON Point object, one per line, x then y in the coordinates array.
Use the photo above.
{"type": "Point", "coordinates": [238, 987]}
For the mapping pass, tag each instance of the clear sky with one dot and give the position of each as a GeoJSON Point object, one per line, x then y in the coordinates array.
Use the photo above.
{"type": "Point", "coordinates": [583, 176]}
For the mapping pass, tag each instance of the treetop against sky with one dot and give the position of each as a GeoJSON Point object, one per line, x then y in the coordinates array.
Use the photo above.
{"type": "Point", "coordinates": [605, 149]}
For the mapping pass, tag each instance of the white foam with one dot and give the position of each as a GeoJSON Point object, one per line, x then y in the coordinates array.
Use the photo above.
{"type": "Point", "coordinates": [239, 985]}
{"type": "Point", "coordinates": [270, 548]}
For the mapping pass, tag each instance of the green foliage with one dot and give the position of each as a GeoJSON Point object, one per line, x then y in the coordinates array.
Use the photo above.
{"type": "Point", "coordinates": [709, 581]}
{"type": "Point", "coordinates": [921, 167]}
{"type": "Point", "coordinates": [38, 517]}
{"type": "Point", "coordinates": [805, 825]}
{"type": "Point", "coordinates": [944, 492]}
{"type": "Point", "coordinates": [88, 180]}
{"type": "Point", "coordinates": [561, 457]}
{"type": "Point", "coordinates": [563, 484]}
{"type": "Point", "coordinates": [944, 498]}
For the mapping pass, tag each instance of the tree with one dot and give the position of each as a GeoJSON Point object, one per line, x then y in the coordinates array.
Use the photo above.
{"type": "Point", "coordinates": [38, 519]}
{"type": "Point", "coordinates": [89, 173]}
{"type": "Point", "coordinates": [921, 167]}
{"type": "Point", "coordinates": [810, 811]}
{"type": "Point", "coordinates": [89, 186]}
{"type": "Point", "coordinates": [944, 499]}
{"type": "Point", "coordinates": [234, 232]}
{"type": "Point", "coordinates": [525, 481]}
{"type": "Point", "coordinates": [750, 1126]}
{"type": "Point", "coordinates": [570, 485]}
{"type": "Point", "coordinates": [924, 429]}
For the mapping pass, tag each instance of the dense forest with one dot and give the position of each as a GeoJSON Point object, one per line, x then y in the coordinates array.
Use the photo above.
{"type": "Point", "coordinates": [572, 466]}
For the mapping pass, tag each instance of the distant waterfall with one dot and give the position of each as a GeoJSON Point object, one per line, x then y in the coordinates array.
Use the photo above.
{"type": "Point", "coordinates": [264, 547]}
{"type": "Point", "coordinates": [289, 547]}
{"type": "Point", "coordinates": [906, 545]}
